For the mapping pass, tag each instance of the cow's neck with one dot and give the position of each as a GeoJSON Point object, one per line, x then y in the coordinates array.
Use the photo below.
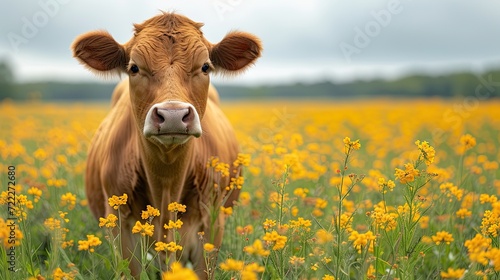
{"type": "Point", "coordinates": [166, 171]}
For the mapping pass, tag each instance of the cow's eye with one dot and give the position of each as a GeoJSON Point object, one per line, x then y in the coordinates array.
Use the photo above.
{"type": "Point", "coordinates": [134, 69]}
{"type": "Point", "coordinates": [205, 68]}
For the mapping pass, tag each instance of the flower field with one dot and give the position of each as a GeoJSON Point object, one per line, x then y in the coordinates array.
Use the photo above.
{"type": "Point", "coordinates": [368, 189]}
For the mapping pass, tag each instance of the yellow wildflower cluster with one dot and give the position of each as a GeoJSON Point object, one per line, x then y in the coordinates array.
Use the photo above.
{"type": "Point", "coordinates": [257, 249]}
{"type": "Point", "coordinates": [408, 175]}
{"type": "Point", "coordinates": [361, 240]}
{"type": "Point", "coordinates": [109, 221]}
{"type": "Point", "coordinates": [478, 248]}
{"type": "Point", "coordinates": [242, 160]}
{"type": "Point", "coordinates": [451, 190]}
{"type": "Point", "coordinates": [382, 219]}
{"type": "Point", "coordinates": [277, 241]}
{"type": "Point", "coordinates": [36, 192]}
{"type": "Point", "coordinates": [453, 273]}
{"type": "Point", "coordinates": [176, 207]}
{"type": "Point", "coordinates": [442, 237]}
{"type": "Point", "coordinates": [301, 224]}
{"type": "Point", "coordinates": [143, 229]}
{"type": "Point", "coordinates": [177, 224]}
{"type": "Point", "coordinates": [427, 152]}
{"type": "Point", "coordinates": [323, 236]}
{"type": "Point", "coordinates": [485, 198]}
{"type": "Point", "coordinates": [117, 201]}
{"type": "Point", "coordinates": [351, 145]}
{"type": "Point", "coordinates": [467, 142]}
{"type": "Point", "coordinates": [296, 261]}
{"type": "Point", "coordinates": [150, 213]}
{"type": "Point", "coordinates": [170, 247]}
{"type": "Point", "coordinates": [385, 185]}
{"type": "Point", "coordinates": [247, 272]}
{"type": "Point", "coordinates": [178, 272]}
{"type": "Point", "coordinates": [89, 244]}
{"type": "Point", "coordinates": [490, 224]}
{"type": "Point", "coordinates": [59, 274]}
{"type": "Point", "coordinates": [69, 200]}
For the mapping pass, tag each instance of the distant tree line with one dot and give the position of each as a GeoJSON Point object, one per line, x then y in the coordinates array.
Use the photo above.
{"type": "Point", "coordinates": [445, 86]}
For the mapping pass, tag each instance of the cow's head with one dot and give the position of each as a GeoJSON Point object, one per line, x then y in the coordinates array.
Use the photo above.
{"type": "Point", "coordinates": [168, 62]}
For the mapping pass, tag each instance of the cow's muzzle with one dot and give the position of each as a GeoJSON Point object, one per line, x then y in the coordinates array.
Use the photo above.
{"type": "Point", "coordinates": [172, 122]}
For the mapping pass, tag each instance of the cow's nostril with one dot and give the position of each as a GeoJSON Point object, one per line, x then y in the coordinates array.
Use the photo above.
{"type": "Point", "coordinates": [158, 118]}
{"type": "Point", "coordinates": [187, 117]}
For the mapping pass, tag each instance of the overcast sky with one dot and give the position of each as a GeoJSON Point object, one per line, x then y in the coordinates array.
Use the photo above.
{"type": "Point", "coordinates": [306, 40]}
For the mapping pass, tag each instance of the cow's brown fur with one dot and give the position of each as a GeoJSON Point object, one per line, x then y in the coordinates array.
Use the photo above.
{"type": "Point", "coordinates": [170, 50]}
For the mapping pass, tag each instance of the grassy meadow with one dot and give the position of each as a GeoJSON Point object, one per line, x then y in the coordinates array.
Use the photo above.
{"type": "Point", "coordinates": [368, 189]}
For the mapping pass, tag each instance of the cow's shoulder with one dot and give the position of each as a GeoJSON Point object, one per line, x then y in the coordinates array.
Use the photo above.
{"type": "Point", "coordinates": [114, 152]}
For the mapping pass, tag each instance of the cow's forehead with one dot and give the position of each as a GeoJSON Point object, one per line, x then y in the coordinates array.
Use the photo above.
{"type": "Point", "coordinates": [168, 38]}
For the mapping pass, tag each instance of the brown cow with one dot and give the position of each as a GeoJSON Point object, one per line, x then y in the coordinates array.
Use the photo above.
{"type": "Point", "coordinates": [164, 125]}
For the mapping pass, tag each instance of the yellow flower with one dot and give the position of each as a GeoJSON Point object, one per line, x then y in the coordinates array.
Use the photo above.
{"type": "Point", "coordinates": [116, 201]}
{"type": "Point", "coordinates": [463, 213]}
{"type": "Point", "coordinates": [172, 247]}
{"type": "Point", "coordinates": [361, 240]}
{"type": "Point", "coordinates": [68, 199]}
{"type": "Point", "coordinates": [150, 212]}
{"type": "Point", "coordinates": [176, 207]}
{"type": "Point", "coordinates": [451, 190]}
{"type": "Point", "coordinates": [478, 248]}
{"type": "Point", "coordinates": [226, 211]}
{"type": "Point", "coordinates": [328, 277]}
{"type": "Point", "coordinates": [236, 183]}
{"type": "Point", "coordinates": [382, 219]}
{"type": "Point", "coordinates": [36, 192]}
{"type": "Point", "coordinates": [296, 261]}
{"type": "Point", "coordinates": [171, 224]}
{"type": "Point", "coordinates": [323, 236]}
{"type": "Point", "coordinates": [348, 144]}
{"type": "Point", "coordinates": [314, 266]}
{"type": "Point", "coordinates": [301, 224]}
{"type": "Point", "coordinates": [109, 221]}
{"type": "Point", "coordinates": [52, 223]}
{"type": "Point", "coordinates": [178, 272]}
{"type": "Point", "coordinates": [89, 244]}
{"type": "Point", "coordinates": [40, 154]}
{"type": "Point", "coordinates": [301, 192]}
{"type": "Point", "coordinates": [442, 236]}
{"type": "Point", "coordinates": [222, 168]}
{"type": "Point", "coordinates": [232, 265]}
{"type": "Point", "coordinates": [385, 185]}
{"type": "Point", "coordinates": [250, 271]}
{"type": "Point", "coordinates": [408, 175]}
{"type": "Point", "coordinates": [427, 152]}
{"type": "Point", "coordinates": [453, 273]}
{"type": "Point", "coordinates": [244, 199]}
{"type": "Point", "coordinates": [256, 249]}
{"type": "Point", "coordinates": [143, 229]}
{"type": "Point", "coordinates": [243, 159]}
{"type": "Point", "coordinates": [485, 198]}
{"type": "Point", "coordinates": [209, 247]}
{"type": "Point", "coordinates": [273, 237]}
{"type": "Point", "coordinates": [468, 141]}
{"type": "Point", "coordinates": [59, 274]}
{"type": "Point", "coordinates": [248, 229]}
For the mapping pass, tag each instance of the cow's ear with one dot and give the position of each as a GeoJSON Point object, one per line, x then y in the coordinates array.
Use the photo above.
{"type": "Point", "coordinates": [100, 52]}
{"type": "Point", "coordinates": [235, 52]}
